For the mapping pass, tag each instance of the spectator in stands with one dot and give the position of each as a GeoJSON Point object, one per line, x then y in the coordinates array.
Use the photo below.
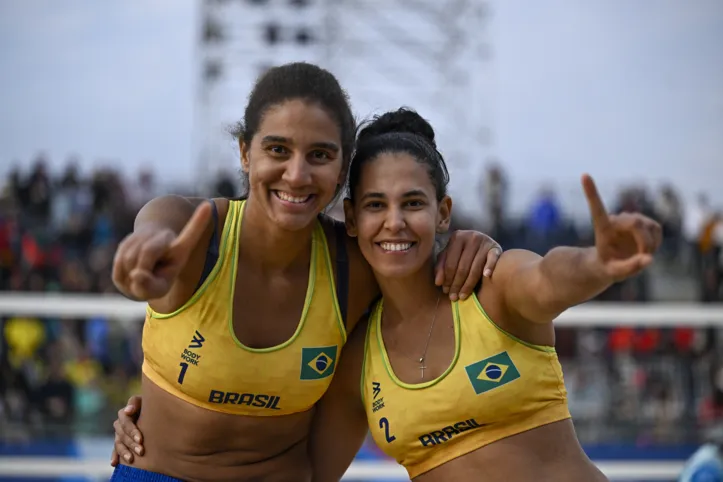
{"type": "Point", "coordinates": [668, 211]}
{"type": "Point", "coordinates": [56, 394]}
{"type": "Point", "coordinates": [711, 250]}
{"type": "Point", "coordinates": [711, 410]}
{"type": "Point", "coordinates": [695, 218]}
{"type": "Point", "coordinates": [493, 191]}
{"type": "Point", "coordinates": [36, 193]}
{"type": "Point", "coordinates": [544, 222]}
{"type": "Point", "coordinates": [15, 400]}
{"type": "Point", "coordinates": [226, 186]}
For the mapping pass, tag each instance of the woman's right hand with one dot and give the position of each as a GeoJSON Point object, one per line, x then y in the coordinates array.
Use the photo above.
{"type": "Point", "coordinates": [148, 260]}
{"type": "Point", "coordinates": [128, 439]}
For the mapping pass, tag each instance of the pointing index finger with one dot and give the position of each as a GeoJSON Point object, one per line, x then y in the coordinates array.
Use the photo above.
{"type": "Point", "coordinates": [598, 213]}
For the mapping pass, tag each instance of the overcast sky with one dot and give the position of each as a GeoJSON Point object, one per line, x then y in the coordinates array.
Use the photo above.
{"type": "Point", "coordinates": [628, 90]}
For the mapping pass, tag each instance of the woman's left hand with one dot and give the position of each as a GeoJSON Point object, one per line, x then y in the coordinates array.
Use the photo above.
{"type": "Point", "coordinates": [468, 256]}
{"type": "Point", "coordinates": [625, 243]}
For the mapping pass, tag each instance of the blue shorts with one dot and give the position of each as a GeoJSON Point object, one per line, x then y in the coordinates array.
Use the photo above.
{"type": "Point", "coordinates": [124, 473]}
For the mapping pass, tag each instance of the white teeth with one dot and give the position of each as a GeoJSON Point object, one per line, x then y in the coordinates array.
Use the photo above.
{"type": "Point", "coordinates": [292, 199]}
{"type": "Point", "coordinates": [395, 246]}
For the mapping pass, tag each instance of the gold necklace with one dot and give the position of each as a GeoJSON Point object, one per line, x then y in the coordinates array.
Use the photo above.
{"type": "Point", "coordinates": [422, 367]}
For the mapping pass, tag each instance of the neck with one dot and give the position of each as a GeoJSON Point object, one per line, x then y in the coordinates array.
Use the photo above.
{"type": "Point", "coordinates": [410, 297]}
{"type": "Point", "coordinates": [266, 245]}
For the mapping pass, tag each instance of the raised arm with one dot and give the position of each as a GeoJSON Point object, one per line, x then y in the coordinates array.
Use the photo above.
{"type": "Point", "coordinates": [340, 426]}
{"type": "Point", "coordinates": [539, 288]}
{"type": "Point", "coordinates": [158, 260]}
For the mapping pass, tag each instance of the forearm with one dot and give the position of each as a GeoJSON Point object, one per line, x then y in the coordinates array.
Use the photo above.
{"type": "Point", "coordinates": [569, 276]}
{"type": "Point", "coordinates": [331, 455]}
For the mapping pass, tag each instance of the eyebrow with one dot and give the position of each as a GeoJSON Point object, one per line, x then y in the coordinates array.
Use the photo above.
{"type": "Point", "coordinates": [330, 146]}
{"type": "Point", "coordinates": [373, 195]}
{"type": "Point", "coordinates": [415, 192]}
{"type": "Point", "coordinates": [380, 195]}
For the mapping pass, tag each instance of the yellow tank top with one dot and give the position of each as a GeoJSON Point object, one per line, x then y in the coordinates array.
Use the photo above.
{"type": "Point", "coordinates": [495, 387]}
{"type": "Point", "coordinates": [193, 353]}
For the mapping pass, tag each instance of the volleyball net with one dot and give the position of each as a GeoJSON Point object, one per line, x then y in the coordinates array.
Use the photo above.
{"type": "Point", "coordinates": [640, 379]}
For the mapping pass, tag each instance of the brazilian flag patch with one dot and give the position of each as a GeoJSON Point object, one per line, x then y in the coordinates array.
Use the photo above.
{"type": "Point", "coordinates": [317, 363]}
{"type": "Point", "coordinates": [492, 372]}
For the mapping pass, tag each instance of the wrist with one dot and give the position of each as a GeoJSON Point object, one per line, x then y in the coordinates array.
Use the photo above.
{"type": "Point", "coordinates": [595, 266]}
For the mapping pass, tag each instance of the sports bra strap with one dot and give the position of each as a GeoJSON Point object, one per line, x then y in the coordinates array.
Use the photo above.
{"type": "Point", "coordinates": [342, 271]}
{"type": "Point", "coordinates": [212, 252]}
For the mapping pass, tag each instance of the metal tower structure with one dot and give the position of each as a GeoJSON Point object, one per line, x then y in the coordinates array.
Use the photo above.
{"type": "Point", "coordinates": [239, 40]}
{"type": "Point", "coordinates": [434, 56]}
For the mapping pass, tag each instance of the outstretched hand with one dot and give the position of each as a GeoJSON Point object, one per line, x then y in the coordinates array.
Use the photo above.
{"type": "Point", "coordinates": [148, 261]}
{"type": "Point", "coordinates": [626, 242]}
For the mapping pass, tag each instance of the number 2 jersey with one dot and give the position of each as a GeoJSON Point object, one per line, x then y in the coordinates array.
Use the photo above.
{"type": "Point", "coordinates": [495, 387]}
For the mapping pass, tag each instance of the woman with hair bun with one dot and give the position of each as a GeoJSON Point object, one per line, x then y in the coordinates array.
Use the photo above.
{"type": "Point", "coordinates": [459, 389]}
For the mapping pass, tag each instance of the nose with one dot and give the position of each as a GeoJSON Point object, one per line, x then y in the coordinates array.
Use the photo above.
{"type": "Point", "coordinates": [298, 172]}
{"type": "Point", "coordinates": [394, 220]}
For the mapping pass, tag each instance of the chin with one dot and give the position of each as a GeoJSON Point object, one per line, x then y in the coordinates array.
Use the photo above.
{"type": "Point", "coordinates": [293, 222]}
{"type": "Point", "coordinates": [395, 271]}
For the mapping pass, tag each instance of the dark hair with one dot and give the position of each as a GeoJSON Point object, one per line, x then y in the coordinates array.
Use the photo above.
{"type": "Point", "coordinates": [402, 130]}
{"type": "Point", "coordinates": [298, 80]}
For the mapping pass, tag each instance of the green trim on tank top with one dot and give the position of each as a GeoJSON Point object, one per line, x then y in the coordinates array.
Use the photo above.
{"type": "Point", "coordinates": [307, 301]}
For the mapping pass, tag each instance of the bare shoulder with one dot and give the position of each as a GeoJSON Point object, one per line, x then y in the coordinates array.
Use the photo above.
{"type": "Point", "coordinates": [171, 211]}
{"type": "Point", "coordinates": [493, 295]}
{"type": "Point", "coordinates": [509, 264]}
{"type": "Point", "coordinates": [516, 258]}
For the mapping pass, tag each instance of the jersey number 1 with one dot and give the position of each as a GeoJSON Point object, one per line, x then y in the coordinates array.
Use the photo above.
{"type": "Point", "coordinates": [181, 376]}
{"type": "Point", "coordinates": [384, 423]}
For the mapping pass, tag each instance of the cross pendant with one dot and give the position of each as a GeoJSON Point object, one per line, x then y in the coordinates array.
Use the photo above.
{"type": "Point", "coordinates": [422, 367]}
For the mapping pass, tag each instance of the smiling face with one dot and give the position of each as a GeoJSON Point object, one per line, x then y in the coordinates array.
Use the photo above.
{"type": "Point", "coordinates": [396, 215]}
{"type": "Point", "coordinates": [294, 163]}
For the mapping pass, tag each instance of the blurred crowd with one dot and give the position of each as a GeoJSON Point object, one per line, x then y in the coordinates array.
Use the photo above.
{"type": "Point", "coordinates": [60, 234]}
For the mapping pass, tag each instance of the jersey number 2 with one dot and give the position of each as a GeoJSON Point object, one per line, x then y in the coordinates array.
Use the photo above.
{"type": "Point", "coordinates": [384, 423]}
{"type": "Point", "coordinates": [181, 376]}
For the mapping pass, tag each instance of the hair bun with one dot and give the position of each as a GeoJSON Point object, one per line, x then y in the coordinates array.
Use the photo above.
{"type": "Point", "coordinates": [402, 120]}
